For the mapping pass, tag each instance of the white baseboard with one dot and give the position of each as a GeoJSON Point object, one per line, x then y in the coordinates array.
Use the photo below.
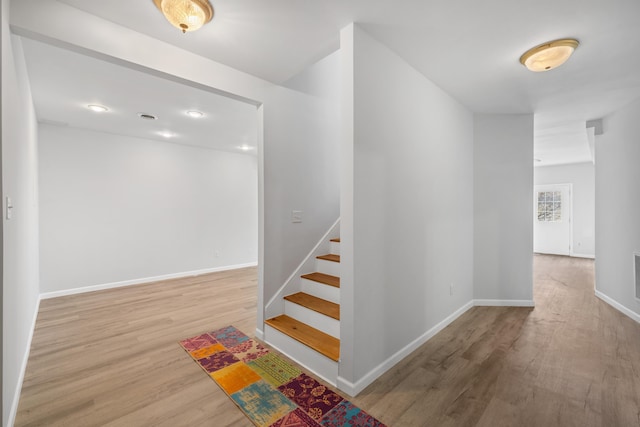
{"type": "Point", "coordinates": [621, 308]}
{"type": "Point", "coordinates": [352, 389]}
{"type": "Point", "coordinates": [570, 254]}
{"type": "Point", "coordinates": [503, 303]}
{"type": "Point", "coordinates": [65, 292]}
{"type": "Point", "coordinates": [13, 411]}
{"type": "Point", "coordinates": [583, 256]}
{"type": "Point", "coordinates": [259, 334]}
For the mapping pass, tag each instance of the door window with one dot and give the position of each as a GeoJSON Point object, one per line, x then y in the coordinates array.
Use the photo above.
{"type": "Point", "coordinates": [549, 206]}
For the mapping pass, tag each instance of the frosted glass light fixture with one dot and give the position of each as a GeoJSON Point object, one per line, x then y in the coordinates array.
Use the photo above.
{"type": "Point", "coordinates": [550, 55]}
{"type": "Point", "coordinates": [186, 15]}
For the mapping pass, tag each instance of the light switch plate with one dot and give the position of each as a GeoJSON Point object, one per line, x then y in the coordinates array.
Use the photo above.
{"type": "Point", "coordinates": [296, 216]}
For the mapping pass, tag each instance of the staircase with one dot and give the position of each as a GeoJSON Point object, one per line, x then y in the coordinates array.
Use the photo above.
{"type": "Point", "coordinates": [309, 329]}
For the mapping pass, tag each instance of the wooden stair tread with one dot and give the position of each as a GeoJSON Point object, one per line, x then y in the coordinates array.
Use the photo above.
{"type": "Point", "coordinates": [319, 305]}
{"type": "Point", "coordinates": [323, 278]}
{"type": "Point", "coordinates": [337, 240]}
{"type": "Point", "coordinates": [330, 257]}
{"type": "Point", "coordinates": [311, 337]}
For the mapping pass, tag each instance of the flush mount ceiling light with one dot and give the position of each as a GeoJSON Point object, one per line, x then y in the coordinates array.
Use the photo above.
{"type": "Point", "coordinates": [97, 108]}
{"type": "Point", "coordinates": [186, 15]}
{"type": "Point", "coordinates": [550, 55]}
{"type": "Point", "coordinates": [195, 114]}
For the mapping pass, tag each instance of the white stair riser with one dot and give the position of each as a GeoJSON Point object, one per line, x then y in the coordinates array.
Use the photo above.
{"type": "Point", "coordinates": [320, 365]}
{"type": "Point", "coordinates": [328, 267]}
{"type": "Point", "coordinates": [320, 290]}
{"type": "Point", "coordinates": [335, 248]}
{"type": "Point", "coordinates": [323, 323]}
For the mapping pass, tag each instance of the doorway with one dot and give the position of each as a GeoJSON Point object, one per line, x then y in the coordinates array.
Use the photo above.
{"type": "Point", "coordinates": [552, 231]}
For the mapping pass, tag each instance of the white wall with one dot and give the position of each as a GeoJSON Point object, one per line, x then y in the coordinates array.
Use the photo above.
{"type": "Point", "coordinates": [301, 168]}
{"type": "Point", "coordinates": [20, 234]}
{"type": "Point", "coordinates": [503, 204]}
{"type": "Point", "coordinates": [116, 208]}
{"type": "Point", "coordinates": [408, 198]}
{"type": "Point", "coordinates": [618, 207]}
{"type": "Point", "coordinates": [582, 176]}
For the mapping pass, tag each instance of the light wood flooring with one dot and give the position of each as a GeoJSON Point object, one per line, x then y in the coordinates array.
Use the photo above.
{"type": "Point", "coordinates": [111, 358]}
{"type": "Point", "coordinates": [571, 361]}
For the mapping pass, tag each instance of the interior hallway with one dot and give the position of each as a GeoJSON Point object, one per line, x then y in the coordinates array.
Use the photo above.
{"type": "Point", "coordinates": [112, 358]}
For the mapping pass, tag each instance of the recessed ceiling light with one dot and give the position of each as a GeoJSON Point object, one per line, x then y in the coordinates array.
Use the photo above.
{"type": "Point", "coordinates": [195, 114]}
{"type": "Point", "coordinates": [146, 116]}
{"type": "Point", "coordinates": [97, 108]}
{"type": "Point", "coordinates": [244, 147]}
{"type": "Point", "coordinates": [166, 134]}
{"type": "Point", "coordinates": [550, 55]}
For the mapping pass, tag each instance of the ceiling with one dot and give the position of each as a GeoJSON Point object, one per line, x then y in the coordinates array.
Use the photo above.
{"type": "Point", "coordinates": [63, 83]}
{"type": "Point", "coordinates": [467, 47]}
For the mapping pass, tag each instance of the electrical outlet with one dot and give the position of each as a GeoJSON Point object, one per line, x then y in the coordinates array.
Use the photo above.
{"type": "Point", "coordinates": [296, 216]}
{"type": "Point", "coordinates": [9, 212]}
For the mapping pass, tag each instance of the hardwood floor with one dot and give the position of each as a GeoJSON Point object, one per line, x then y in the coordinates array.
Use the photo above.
{"type": "Point", "coordinates": [111, 358]}
{"type": "Point", "coordinates": [571, 361]}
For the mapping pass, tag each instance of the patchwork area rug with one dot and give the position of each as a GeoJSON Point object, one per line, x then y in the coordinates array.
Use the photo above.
{"type": "Point", "coordinates": [267, 388]}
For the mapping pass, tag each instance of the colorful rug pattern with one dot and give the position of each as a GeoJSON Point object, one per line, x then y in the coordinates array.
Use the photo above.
{"type": "Point", "coordinates": [270, 390]}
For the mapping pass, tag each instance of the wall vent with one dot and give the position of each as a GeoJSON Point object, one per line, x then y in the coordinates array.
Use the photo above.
{"type": "Point", "coordinates": [636, 261]}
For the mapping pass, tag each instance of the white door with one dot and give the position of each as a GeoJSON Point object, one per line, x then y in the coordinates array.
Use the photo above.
{"type": "Point", "coordinates": [552, 219]}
